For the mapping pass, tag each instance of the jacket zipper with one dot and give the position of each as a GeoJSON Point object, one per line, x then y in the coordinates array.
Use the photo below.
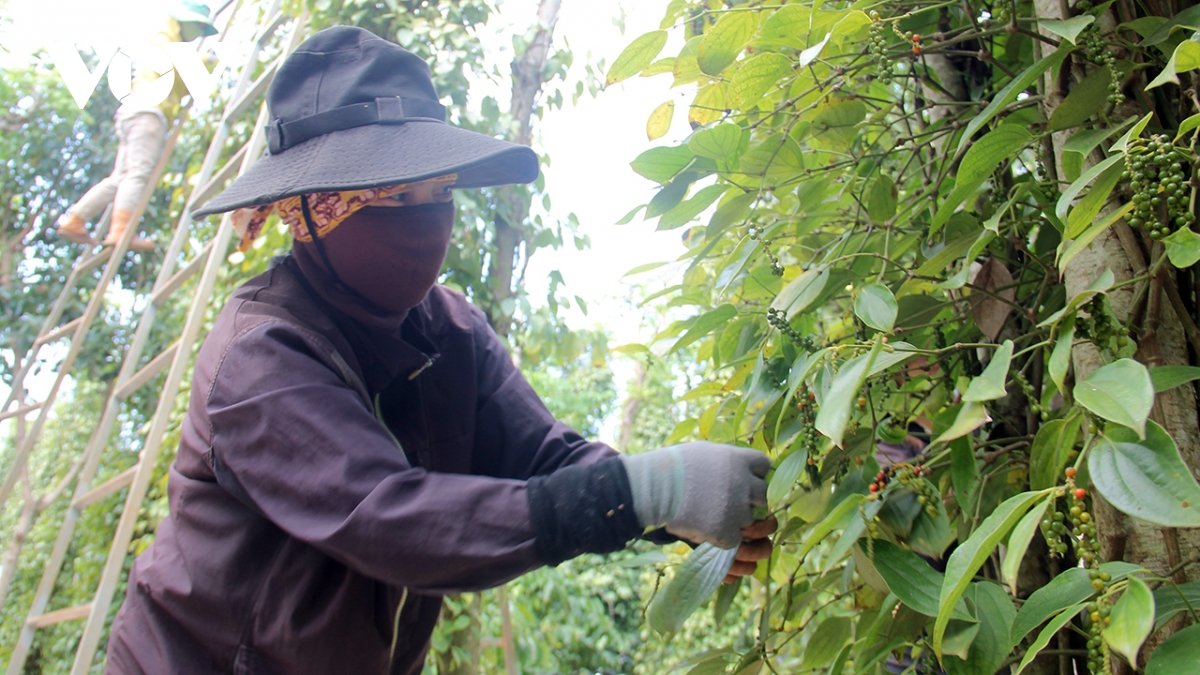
{"type": "Point", "coordinates": [396, 626]}
{"type": "Point", "coordinates": [403, 590]}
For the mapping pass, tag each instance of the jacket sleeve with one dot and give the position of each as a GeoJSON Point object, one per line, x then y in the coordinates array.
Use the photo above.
{"type": "Point", "coordinates": [516, 436]}
{"type": "Point", "coordinates": [296, 444]}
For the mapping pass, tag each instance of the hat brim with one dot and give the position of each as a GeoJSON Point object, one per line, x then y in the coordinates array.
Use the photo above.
{"type": "Point", "coordinates": [374, 156]}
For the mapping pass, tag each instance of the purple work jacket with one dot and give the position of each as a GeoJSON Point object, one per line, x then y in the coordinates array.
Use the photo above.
{"type": "Point", "coordinates": [331, 483]}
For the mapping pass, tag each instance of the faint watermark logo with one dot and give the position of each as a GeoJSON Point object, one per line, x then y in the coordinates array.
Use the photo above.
{"type": "Point", "coordinates": [168, 59]}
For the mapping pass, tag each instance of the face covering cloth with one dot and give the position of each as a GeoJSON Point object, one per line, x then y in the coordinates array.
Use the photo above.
{"type": "Point", "coordinates": [328, 210]}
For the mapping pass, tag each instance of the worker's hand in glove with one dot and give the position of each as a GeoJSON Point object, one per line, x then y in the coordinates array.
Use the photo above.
{"type": "Point", "coordinates": [701, 492]}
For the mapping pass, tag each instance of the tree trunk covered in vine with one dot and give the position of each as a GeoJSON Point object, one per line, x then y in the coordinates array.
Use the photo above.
{"type": "Point", "coordinates": [1156, 310]}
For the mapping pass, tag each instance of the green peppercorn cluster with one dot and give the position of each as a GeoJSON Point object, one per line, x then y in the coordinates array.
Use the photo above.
{"type": "Point", "coordinates": [1053, 530]}
{"type": "Point", "coordinates": [1156, 171]}
{"type": "Point", "coordinates": [877, 47]}
{"type": "Point", "coordinates": [1035, 403]}
{"type": "Point", "coordinates": [1002, 11]}
{"type": "Point", "coordinates": [1104, 330]}
{"type": "Point", "coordinates": [1098, 53]}
{"type": "Point", "coordinates": [756, 234]}
{"type": "Point", "coordinates": [779, 322]}
{"type": "Point", "coordinates": [1098, 654]}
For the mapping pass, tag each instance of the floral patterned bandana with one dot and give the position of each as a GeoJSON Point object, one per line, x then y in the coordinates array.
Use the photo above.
{"type": "Point", "coordinates": [328, 209]}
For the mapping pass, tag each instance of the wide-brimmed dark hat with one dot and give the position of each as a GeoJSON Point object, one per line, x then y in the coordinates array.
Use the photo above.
{"type": "Point", "coordinates": [351, 111]}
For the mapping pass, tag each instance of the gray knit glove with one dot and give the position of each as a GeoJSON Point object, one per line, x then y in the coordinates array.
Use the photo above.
{"type": "Point", "coordinates": [701, 492]}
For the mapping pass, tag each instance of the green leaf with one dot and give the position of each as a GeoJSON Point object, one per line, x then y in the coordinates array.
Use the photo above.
{"type": "Point", "coordinates": [705, 324]}
{"type": "Point", "coordinates": [756, 76]}
{"type": "Point", "coordinates": [694, 581]}
{"type": "Point", "coordinates": [1185, 57]}
{"type": "Point", "coordinates": [687, 211]}
{"type": "Point", "coordinates": [1051, 451]}
{"type": "Point", "coordinates": [801, 292]}
{"type": "Point", "coordinates": [779, 156]}
{"type": "Point", "coordinates": [1084, 213]}
{"type": "Point", "coordinates": [724, 41]}
{"type": "Point", "coordinates": [1102, 283]}
{"type": "Point", "coordinates": [990, 647]}
{"type": "Point", "coordinates": [999, 145]}
{"type": "Point", "coordinates": [1188, 19]}
{"type": "Point", "coordinates": [881, 200]}
{"type": "Point", "coordinates": [987, 153]}
{"type": "Point", "coordinates": [1085, 100]}
{"type": "Point", "coordinates": [1060, 356]}
{"type": "Point", "coordinates": [1171, 599]}
{"type": "Point", "coordinates": [1064, 617]}
{"type": "Point", "coordinates": [636, 56]}
{"type": "Point", "coordinates": [731, 211]}
{"type": "Point", "coordinates": [1070, 587]}
{"type": "Point", "coordinates": [966, 560]}
{"type": "Point", "coordinates": [670, 195]}
{"type": "Point", "coordinates": [839, 401]}
{"type": "Point", "coordinates": [1131, 620]}
{"type": "Point", "coordinates": [826, 641]}
{"type": "Point", "coordinates": [661, 164]}
{"type": "Point", "coordinates": [1119, 392]}
{"type": "Point", "coordinates": [786, 475]}
{"type": "Point", "coordinates": [1073, 190]}
{"type": "Point", "coordinates": [643, 268]}
{"type": "Point", "coordinates": [970, 417]}
{"type": "Point", "coordinates": [720, 143]}
{"type": "Point", "coordinates": [659, 122]}
{"type": "Point", "coordinates": [1134, 132]}
{"type": "Point", "coordinates": [787, 26]}
{"type": "Point", "coordinates": [1166, 378]}
{"type": "Point", "coordinates": [1187, 125]}
{"type": "Point", "coordinates": [950, 252]}
{"type": "Point", "coordinates": [725, 596]}
{"type": "Point", "coordinates": [844, 510]}
{"type": "Point", "coordinates": [1074, 246]}
{"type": "Point", "coordinates": [964, 471]}
{"type": "Point", "coordinates": [1183, 247]}
{"type": "Point", "coordinates": [1082, 143]}
{"type": "Point", "coordinates": [1018, 544]}
{"type": "Point", "coordinates": [876, 306]}
{"type": "Point", "coordinates": [1068, 29]}
{"type": "Point", "coordinates": [1178, 654]}
{"type": "Point", "coordinates": [1010, 91]}
{"type": "Point", "coordinates": [643, 559]}
{"type": "Point", "coordinates": [912, 579]}
{"type": "Point", "coordinates": [989, 386]}
{"type": "Point", "coordinates": [1145, 478]}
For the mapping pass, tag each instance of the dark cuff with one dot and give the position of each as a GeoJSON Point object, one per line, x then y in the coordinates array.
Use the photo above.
{"type": "Point", "coordinates": [582, 509]}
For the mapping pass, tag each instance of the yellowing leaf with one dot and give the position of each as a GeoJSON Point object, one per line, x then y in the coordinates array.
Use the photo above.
{"type": "Point", "coordinates": [660, 121]}
{"type": "Point", "coordinates": [709, 104]}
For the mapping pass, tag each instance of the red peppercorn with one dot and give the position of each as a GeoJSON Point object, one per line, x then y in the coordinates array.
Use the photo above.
{"type": "Point", "coordinates": [1070, 472]}
{"type": "Point", "coordinates": [1080, 493]}
{"type": "Point", "coordinates": [874, 488]}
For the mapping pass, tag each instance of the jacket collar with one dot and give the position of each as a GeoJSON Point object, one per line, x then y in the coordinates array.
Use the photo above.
{"type": "Point", "coordinates": [383, 348]}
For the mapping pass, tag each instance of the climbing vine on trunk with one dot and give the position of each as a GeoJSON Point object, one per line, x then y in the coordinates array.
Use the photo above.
{"type": "Point", "coordinates": [940, 266]}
